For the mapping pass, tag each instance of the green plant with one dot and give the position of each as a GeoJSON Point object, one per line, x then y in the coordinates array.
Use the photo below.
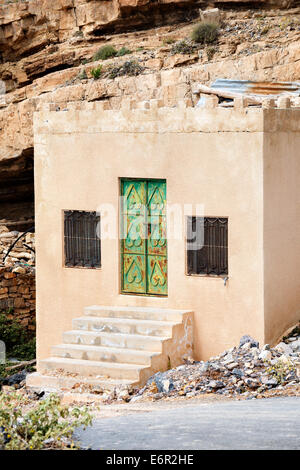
{"type": "Point", "coordinates": [130, 67]}
{"type": "Point", "coordinates": [123, 51]}
{"type": "Point", "coordinates": [48, 425]}
{"type": "Point", "coordinates": [96, 72]}
{"type": "Point", "coordinates": [210, 51]}
{"type": "Point", "coordinates": [6, 371]}
{"type": "Point", "coordinates": [105, 52]}
{"type": "Point", "coordinates": [78, 34]}
{"type": "Point", "coordinates": [182, 47]}
{"type": "Point", "coordinates": [280, 370]}
{"type": "Point", "coordinates": [205, 33]}
{"type": "Point", "coordinates": [19, 343]}
{"type": "Point", "coordinates": [3, 372]}
{"type": "Point", "coordinates": [82, 75]}
{"type": "Point", "coordinates": [285, 22]}
{"type": "Point", "coordinates": [168, 41]}
{"type": "Point", "coordinates": [25, 351]}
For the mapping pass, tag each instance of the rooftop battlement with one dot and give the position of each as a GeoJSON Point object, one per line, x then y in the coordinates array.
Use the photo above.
{"type": "Point", "coordinates": [282, 115]}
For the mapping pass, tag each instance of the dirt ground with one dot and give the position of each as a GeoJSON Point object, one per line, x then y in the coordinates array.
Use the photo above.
{"type": "Point", "coordinates": [103, 410]}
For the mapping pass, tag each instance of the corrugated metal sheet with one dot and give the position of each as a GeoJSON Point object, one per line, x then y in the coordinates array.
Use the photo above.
{"type": "Point", "coordinates": [248, 87]}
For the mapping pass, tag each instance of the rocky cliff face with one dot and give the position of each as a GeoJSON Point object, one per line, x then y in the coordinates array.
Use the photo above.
{"type": "Point", "coordinates": [47, 49]}
{"type": "Point", "coordinates": [29, 26]}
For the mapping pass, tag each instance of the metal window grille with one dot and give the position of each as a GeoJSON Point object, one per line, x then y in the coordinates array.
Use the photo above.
{"type": "Point", "coordinates": [82, 239]}
{"type": "Point", "coordinates": [207, 246]}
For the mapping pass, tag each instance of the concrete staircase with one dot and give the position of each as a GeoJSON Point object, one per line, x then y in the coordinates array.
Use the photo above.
{"type": "Point", "coordinates": [114, 346]}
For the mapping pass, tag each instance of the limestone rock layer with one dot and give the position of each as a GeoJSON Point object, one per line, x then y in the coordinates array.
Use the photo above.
{"type": "Point", "coordinates": [47, 49]}
{"type": "Point", "coordinates": [31, 25]}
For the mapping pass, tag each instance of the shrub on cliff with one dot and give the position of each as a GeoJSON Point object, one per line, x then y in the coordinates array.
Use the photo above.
{"type": "Point", "coordinates": [183, 47]}
{"type": "Point", "coordinates": [205, 33]}
{"type": "Point", "coordinates": [105, 52]}
{"type": "Point", "coordinates": [96, 72]}
{"type": "Point", "coordinates": [123, 51]}
{"type": "Point", "coordinates": [210, 51]}
{"type": "Point", "coordinates": [130, 68]}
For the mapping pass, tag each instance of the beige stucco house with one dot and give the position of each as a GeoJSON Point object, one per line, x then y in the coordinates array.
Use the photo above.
{"type": "Point", "coordinates": [163, 232]}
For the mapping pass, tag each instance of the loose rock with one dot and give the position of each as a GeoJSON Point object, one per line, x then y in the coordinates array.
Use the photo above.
{"type": "Point", "coordinates": [245, 371]}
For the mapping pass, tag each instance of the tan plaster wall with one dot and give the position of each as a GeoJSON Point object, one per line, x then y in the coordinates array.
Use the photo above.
{"type": "Point", "coordinates": [78, 166]}
{"type": "Point", "coordinates": [281, 230]}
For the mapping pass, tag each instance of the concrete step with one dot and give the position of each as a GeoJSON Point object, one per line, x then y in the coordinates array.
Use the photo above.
{"type": "Point", "coordinates": [84, 367]}
{"type": "Point", "coordinates": [124, 325]}
{"type": "Point", "coordinates": [104, 354]}
{"type": "Point", "coordinates": [116, 346]}
{"type": "Point", "coordinates": [54, 383]}
{"type": "Point", "coordinates": [114, 340]}
{"type": "Point", "coordinates": [138, 313]}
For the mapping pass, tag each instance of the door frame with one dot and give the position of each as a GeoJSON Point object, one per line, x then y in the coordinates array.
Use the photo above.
{"type": "Point", "coordinates": [121, 264]}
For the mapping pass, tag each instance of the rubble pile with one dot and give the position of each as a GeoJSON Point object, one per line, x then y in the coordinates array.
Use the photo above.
{"type": "Point", "coordinates": [246, 371]}
{"type": "Point", "coordinates": [22, 257]}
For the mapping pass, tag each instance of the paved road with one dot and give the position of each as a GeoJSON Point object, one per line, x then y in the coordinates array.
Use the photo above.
{"type": "Point", "coordinates": [252, 424]}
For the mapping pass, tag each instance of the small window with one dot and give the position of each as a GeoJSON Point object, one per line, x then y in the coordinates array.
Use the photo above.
{"type": "Point", "coordinates": [82, 239]}
{"type": "Point", "coordinates": [207, 246]}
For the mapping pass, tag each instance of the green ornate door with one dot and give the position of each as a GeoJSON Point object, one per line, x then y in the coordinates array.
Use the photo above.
{"type": "Point", "coordinates": [143, 237]}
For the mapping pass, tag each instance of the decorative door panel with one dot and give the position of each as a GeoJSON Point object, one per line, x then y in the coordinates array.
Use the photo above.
{"type": "Point", "coordinates": [143, 233]}
{"type": "Point", "coordinates": [157, 238]}
{"type": "Point", "coordinates": [156, 197]}
{"type": "Point", "coordinates": [134, 197]}
{"type": "Point", "coordinates": [134, 231]}
{"type": "Point", "coordinates": [157, 275]}
{"type": "Point", "coordinates": [134, 273]}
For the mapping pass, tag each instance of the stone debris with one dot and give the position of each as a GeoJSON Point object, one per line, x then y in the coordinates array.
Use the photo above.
{"type": "Point", "coordinates": [21, 258]}
{"type": "Point", "coordinates": [245, 371]}
{"type": "Point", "coordinates": [15, 379]}
{"type": "Point", "coordinates": [242, 372]}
